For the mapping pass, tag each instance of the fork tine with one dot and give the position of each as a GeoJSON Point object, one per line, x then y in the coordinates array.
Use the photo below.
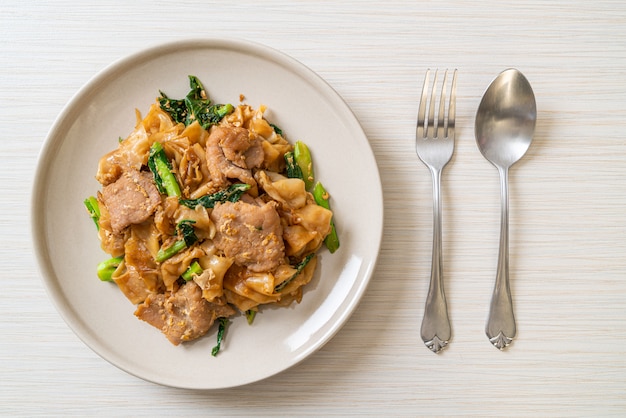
{"type": "Point", "coordinates": [452, 108]}
{"type": "Point", "coordinates": [440, 129]}
{"type": "Point", "coordinates": [431, 128]}
{"type": "Point", "coordinates": [421, 114]}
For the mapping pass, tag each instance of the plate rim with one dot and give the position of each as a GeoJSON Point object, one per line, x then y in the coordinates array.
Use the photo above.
{"type": "Point", "coordinates": [43, 165]}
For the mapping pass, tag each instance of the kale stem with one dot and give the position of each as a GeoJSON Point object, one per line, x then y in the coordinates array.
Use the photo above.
{"type": "Point", "coordinates": [169, 252]}
{"type": "Point", "coordinates": [221, 330]}
{"type": "Point", "coordinates": [161, 168]}
{"type": "Point", "coordinates": [108, 267]}
{"type": "Point", "coordinates": [303, 159]}
{"type": "Point", "coordinates": [193, 270]}
{"type": "Point", "coordinates": [321, 197]}
{"type": "Point", "coordinates": [91, 203]}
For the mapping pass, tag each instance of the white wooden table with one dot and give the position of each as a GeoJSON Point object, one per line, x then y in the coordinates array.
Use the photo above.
{"type": "Point", "coordinates": [568, 207]}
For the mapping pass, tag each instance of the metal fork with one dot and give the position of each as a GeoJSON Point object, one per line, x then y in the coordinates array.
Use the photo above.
{"type": "Point", "coordinates": [434, 144]}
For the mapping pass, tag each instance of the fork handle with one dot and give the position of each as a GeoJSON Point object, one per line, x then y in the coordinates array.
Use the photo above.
{"type": "Point", "coordinates": [435, 329]}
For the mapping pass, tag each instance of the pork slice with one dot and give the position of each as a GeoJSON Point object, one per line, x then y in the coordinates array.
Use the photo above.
{"type": "Point", "coordinates": [131, 199]}
{"type": "Point", "coordinates": [250, 233]}
{"type": "Point", "coordinates": [231, 154]}
{"type": "Point", "coordinates": [182, 316]}
{"type": "Point", "coordinates": [241, 147]}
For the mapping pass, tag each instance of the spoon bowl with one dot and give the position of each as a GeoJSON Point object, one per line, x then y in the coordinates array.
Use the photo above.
{"type": "Point", "coordinates": [506, 117]}
{"type": "Point", "coordinates": [505, 123]}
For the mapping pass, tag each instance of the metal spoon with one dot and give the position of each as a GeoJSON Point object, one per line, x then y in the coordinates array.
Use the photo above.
{"type": "Point", "coordinates": [505, 123]}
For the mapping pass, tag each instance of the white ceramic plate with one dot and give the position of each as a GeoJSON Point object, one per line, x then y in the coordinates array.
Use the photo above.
{"type": "Point", "coordinates": [66, 242]}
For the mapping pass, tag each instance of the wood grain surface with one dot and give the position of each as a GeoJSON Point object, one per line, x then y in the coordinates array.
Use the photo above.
{"type": "Point", "coordinates": [567, 203]}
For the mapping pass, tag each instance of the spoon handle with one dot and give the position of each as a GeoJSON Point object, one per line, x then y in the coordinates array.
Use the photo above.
{"type": "Point", "coordinates": [435, 329]}
{"type": "Point", "coordinates": [500, 327]}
